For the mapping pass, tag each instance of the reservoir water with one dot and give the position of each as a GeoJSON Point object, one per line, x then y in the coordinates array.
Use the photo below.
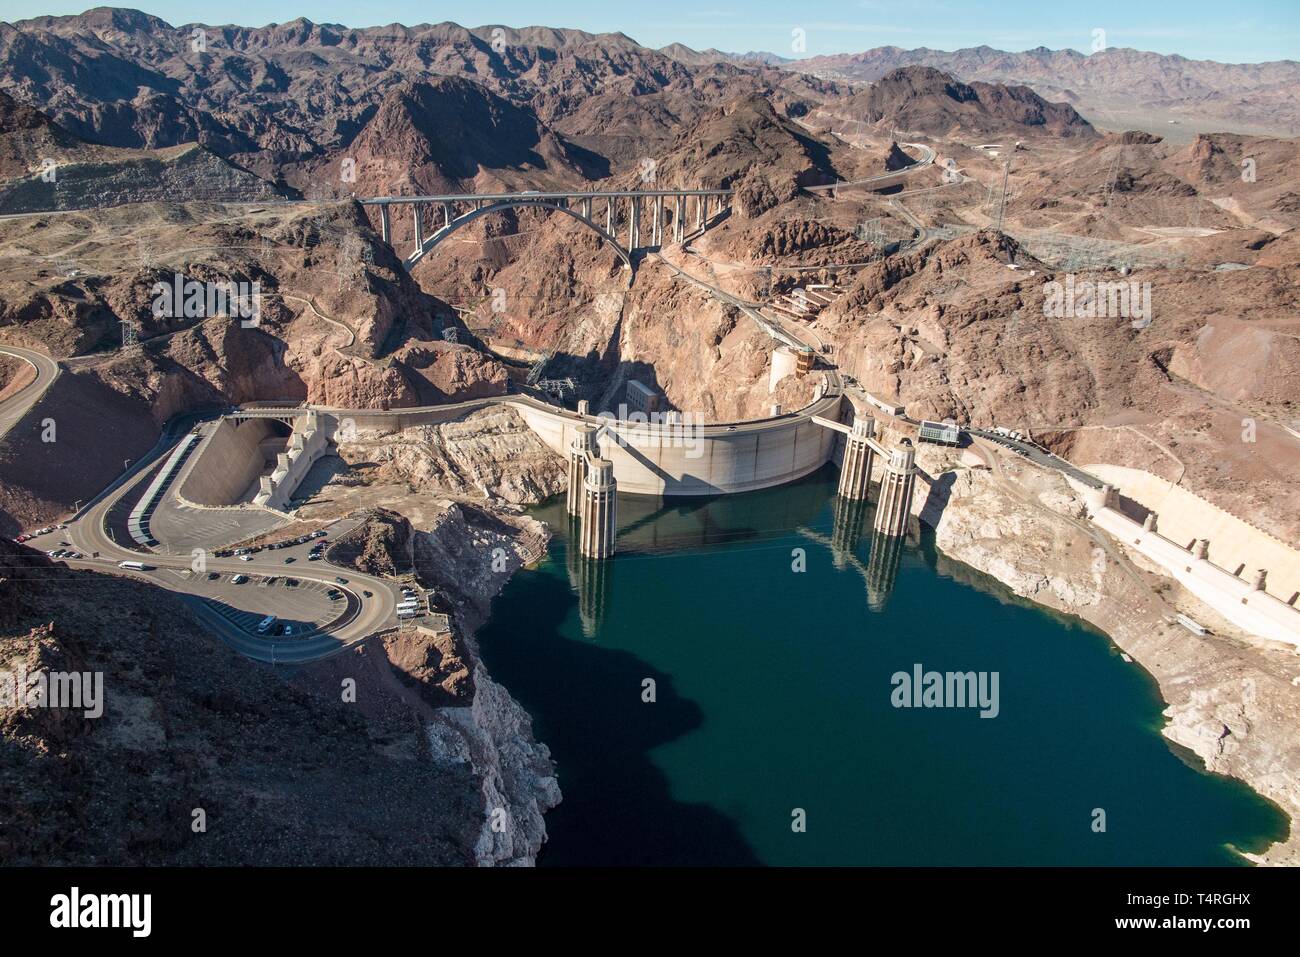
{"type": "Point", "coordinates": [773, 704]}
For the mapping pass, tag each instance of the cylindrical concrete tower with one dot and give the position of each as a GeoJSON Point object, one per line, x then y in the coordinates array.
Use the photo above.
{"type": "Point", "coordinates": [855, 471]}
{"type": "Point", "coordinates": [583, 442]}
{"type": "Point", "coordinates": [896, 482]}
{"type": "Point", "coordinates": [599, 503]}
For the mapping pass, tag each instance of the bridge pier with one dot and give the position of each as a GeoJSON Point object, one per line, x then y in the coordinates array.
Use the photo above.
{"type": "Point", "coordinates": [599, 503]}
{"type": "Point", "coordinates": [385, 226]}
{"type": "Point", "coordinates": [897, 482]}
{"type": "Point", "coordinates": [855, 470]}
{"type": "Point", "coordinates": [634, 224]}
{"type": "Point", "coordinates": [419, 227]}
{"type": "Point", "coordinates": [583, 447]}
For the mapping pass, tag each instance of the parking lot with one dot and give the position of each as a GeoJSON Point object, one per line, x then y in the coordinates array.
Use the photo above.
{"type": "Point", "coordinates": [303, 605]}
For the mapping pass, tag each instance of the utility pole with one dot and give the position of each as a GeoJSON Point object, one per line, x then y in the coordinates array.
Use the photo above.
{"type": "Point", "coordinates": [1006, 169]}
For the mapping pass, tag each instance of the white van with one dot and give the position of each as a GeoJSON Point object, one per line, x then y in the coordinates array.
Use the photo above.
{"type": "Point", "coordinates": [265, 624]}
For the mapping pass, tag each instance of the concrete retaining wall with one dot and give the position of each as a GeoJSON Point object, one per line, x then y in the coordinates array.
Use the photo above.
{"type": "Point", "coordinates": [229, 462]}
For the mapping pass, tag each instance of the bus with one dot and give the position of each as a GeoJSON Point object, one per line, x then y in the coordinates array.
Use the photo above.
{"type": "Point", "coordinates": [135, 566]}
{"type": "Point", "coordinates": [265, 624]}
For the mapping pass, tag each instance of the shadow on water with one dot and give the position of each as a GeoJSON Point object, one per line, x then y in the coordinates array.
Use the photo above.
{"type": "Point", "coordinates": [601, 733]}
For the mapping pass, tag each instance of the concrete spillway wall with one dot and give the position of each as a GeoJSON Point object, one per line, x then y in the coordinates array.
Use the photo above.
{"type": "Point", "coordinates": [1184, 517]}
{"type": "Point", "coordinates": [308, 443]}
{"type": "Point", "coordinates": [228, 463]}
{"type": "Point", "coordinates": [1254, 611]}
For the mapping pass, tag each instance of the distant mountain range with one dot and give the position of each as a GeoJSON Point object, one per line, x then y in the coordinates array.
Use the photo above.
{"type": "Point", "coordinates": [1117, 88]}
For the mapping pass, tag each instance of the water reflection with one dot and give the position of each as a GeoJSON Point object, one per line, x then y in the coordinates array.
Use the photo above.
{"type": "Point", "coordinates": [882, 568]}
{"type": "Point", "coordinates": [591, 580]}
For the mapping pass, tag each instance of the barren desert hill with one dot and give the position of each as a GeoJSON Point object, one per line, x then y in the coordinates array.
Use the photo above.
{"type": "Point", "coordinates": [448, 135]}
{"type": "Point", "coordinates": [44, 167]}
{"type": "Point", "coordinates": [925, 100]}
{"type": "Point", "coordinates": [285, 93]}
{"type": "Point", "coordinates": [1125, 184]}
{"type": "Point", "coordinates": [1116, 85]}
{"type": "Point", "coordinates": [954, 332]}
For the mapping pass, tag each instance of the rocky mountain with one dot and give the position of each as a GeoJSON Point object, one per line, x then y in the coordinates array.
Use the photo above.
{"type": "Point", "coordinates": [283, 95]}
{"type": "Point", "coordinates": [455, 135]}
{"type": "Point", "coordinates": [923, 99]}
{"type": "Point", "coordinates": [1116, 82]}
{"type": "Point", "coordinates": [45, 167]}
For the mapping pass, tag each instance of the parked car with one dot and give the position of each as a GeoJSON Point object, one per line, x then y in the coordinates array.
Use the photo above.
{"type": "Point", "coordinates": [239, 579]}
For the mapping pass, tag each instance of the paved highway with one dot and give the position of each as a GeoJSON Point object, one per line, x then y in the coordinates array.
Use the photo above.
{"type": "Point", "coordinates": [364, 615]}
{"type": "Point", "coordinates": [927, 158]}
{"type": "Point", "coordinates": [17, 405]}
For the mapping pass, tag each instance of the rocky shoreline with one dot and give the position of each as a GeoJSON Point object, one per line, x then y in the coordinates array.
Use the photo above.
{"type": "Point", "coordinates": [1231, 699]}
{"type": "Point", "coordinates": [470, 722]}
{"type": "Point", "coordinates": [493, 733]}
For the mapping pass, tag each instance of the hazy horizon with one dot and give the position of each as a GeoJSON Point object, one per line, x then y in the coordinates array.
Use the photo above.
{"type": "Point", "coordinates": [1190, 29]}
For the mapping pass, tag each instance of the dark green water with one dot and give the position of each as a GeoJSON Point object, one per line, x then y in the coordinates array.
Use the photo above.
{"type": "Point", "coordinates": [774, 693]}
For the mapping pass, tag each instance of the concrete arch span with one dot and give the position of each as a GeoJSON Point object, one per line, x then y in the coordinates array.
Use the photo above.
{"type": "Point", "coordinates": [501, 206]}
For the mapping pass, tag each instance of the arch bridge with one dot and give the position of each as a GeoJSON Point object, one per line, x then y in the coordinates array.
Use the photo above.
{"type": "Point", "coordinates": [647, 216]}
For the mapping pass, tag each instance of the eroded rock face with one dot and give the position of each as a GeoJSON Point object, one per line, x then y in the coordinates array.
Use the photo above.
{"type": "Point", "coordinates": [488, 453]}
{"type": "Point", "coordinates": [381, 545]}
{"type": "Point", "coordinates": [468, 556]}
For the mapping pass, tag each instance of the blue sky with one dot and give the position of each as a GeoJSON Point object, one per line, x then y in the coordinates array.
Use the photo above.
{"type": "Point", "coordinates": [1202, 29]}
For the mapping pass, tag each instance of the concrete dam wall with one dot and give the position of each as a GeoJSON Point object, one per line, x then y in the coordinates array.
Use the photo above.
{"type": "Point", "coordinates": [700, 460]}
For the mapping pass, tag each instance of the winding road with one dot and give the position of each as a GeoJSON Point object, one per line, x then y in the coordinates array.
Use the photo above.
{"type": "Point", "coordinates": [17, 405]}
{"type": "Point", "coordinates": [365, 614]}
